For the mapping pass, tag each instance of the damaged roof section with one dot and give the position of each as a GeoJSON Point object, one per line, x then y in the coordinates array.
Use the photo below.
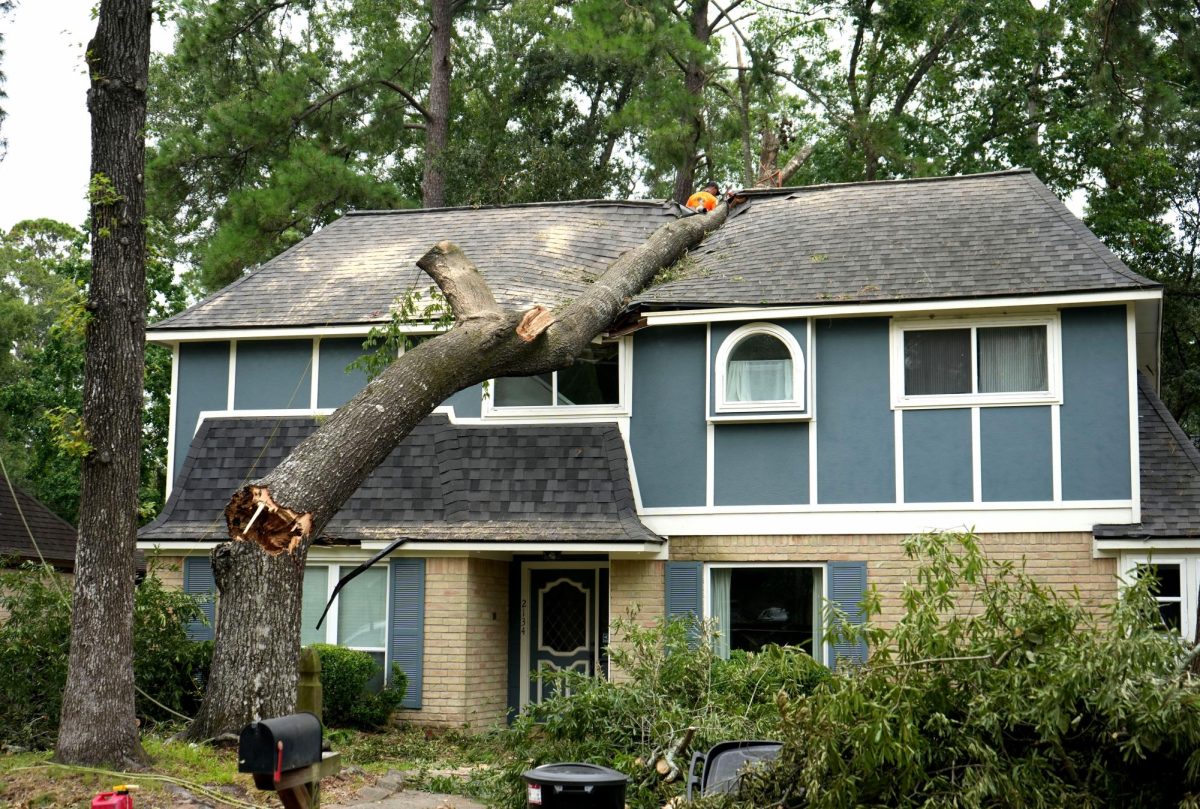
{"type": "Point", "coordinates": [443, 483]}
{"type": "Point", "coordinates": [1170, 476]}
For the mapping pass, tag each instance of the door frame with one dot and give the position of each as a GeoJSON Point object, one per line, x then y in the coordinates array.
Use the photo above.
{"type": "Point", "coordinates": [524, 630]}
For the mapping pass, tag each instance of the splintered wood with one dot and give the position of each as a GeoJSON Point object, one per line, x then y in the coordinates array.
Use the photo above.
{"type": "Point", "coordinates": [253, 516]}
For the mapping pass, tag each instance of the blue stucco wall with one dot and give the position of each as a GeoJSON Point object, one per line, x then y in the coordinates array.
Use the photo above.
{"type": "Point", "coordinates": [1015, 454]}
{"type": "Point", "coordinates": [203, 382]}
{"type": "Point", "coordinates": [273, 375]}
{"type": "Point", "coordinates": [336, 385]}
{"type": "Point", "coordinates": [668, 430]}
{"type": "Point", "coordinates": [1094, 422]}
{"type": "Point", "coordinates": [937, 456]}
{"type": "Point", "coordinates": [720, 331]}
{"type": "Point", "coordinates": [855, 427]}
{"type": "Point", "coordinates": [760, 464]}
{"type": "Point", "coordinates": [467, 403]}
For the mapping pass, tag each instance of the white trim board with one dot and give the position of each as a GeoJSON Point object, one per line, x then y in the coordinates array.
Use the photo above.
{"type": "Point", "coordinates": [995, 305]}
{"type": "Point", "coordinates": [910, 521]}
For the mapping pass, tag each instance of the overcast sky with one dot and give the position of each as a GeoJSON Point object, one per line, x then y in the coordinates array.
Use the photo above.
{"type": "Point", "coordinates": [45, 172]}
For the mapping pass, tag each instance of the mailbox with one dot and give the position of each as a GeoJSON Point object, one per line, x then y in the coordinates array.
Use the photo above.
{"type": "Point", "coordinates": [275, 746]}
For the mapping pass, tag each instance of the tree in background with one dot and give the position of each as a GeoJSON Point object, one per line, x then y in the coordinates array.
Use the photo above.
{"type": "Point", "coordinates": [5, 7]}
{"type": "Point", "coordinates": [98, 723]}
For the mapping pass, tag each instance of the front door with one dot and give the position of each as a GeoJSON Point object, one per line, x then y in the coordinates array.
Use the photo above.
{"type": "Point", "coordinates": [568, 624]}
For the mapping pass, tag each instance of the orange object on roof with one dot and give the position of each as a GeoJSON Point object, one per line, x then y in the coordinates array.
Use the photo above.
{"type": "Point", "coordinates": [702, 199]}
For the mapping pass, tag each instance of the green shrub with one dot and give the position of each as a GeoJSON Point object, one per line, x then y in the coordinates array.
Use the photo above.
{"type": "Point", "coordinates": [674, 681]}
{"type": "Point", "coordinates": [994, 691]}
{"type": "Point", "coordinates": [34, 643]}
{"type": "Point", "coordinates": [347, 699]}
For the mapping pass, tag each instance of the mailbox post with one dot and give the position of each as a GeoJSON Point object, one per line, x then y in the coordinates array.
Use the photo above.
{"type": "Point", "coordinates": [284, 755]}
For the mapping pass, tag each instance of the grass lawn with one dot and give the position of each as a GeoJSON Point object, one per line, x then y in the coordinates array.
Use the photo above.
{"type": "Point", "coordinates": [433, 762]}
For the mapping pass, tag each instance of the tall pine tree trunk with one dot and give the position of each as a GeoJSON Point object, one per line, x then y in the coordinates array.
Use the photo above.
{"type": "Point", "coordinates": [98, 721]}
{"type": "Point", "coordinates": [437, 105]}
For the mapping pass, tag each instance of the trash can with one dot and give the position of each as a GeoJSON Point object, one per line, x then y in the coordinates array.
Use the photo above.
{"type": "Point", "coordinates": [575, 786]}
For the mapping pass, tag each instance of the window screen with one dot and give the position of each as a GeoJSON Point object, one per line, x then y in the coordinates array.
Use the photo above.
{"type": "Point", "coordinates": [937, 361]}
{"type": "Point", "coordinates": [316, 587]}
{"type": "Point", "coordinates": [362, 611]}
{"type": "Point", "coordinates": [1012, 359]}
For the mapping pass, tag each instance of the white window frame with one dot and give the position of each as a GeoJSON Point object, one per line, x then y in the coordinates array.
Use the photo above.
{"type": "Point", "coordinates": [554, 410]}
{"type": "Point", "coordinates": [330, 627]}
{"type": "Point", "coordinates": [798, 400]}
{"type": "Point", "coordinates": [1052, 323]}
{"type": "Point", "coordinates": [818, 651]}
{"type": "Point", "coordinates": [1189, 579]}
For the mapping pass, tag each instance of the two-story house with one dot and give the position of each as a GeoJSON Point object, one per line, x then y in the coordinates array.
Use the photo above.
{"type": "Point", "coordinates": [837, 367]}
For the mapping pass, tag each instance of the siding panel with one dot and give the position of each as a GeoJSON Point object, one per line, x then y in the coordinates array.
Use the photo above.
{"type": "Point", "coordinates": [1095, 410]}
{"type": "Point", "coordinates": [203, 385]}
{"type": "Point", "coordinates": [335, 384]}
{"type": "Point", "coordinates": [855, 426]}
{"type": "Point", "coordinates": [760, 464]}
{"type": "Point", "coordinates": [668, 433]}
{"type": "Point", "coordinates": [937, 456]}
{"type": "Point", "coordinates": [1015, 454]}
{"type": "Point", "coordinates": [273, 375]}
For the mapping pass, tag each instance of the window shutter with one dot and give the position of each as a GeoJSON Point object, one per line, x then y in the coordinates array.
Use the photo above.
{"type": "Point", "coordinates": [406, 639]}
{"type": "Point", "coordinates": [685, 592]}
{"type": "Point", "coordinates": [198, 580]}
{"type": "Point", "coordinates": [847, 586]}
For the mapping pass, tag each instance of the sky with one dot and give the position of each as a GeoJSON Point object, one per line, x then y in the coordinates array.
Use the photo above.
{"type": "Point", "coordinates": [45, 172]}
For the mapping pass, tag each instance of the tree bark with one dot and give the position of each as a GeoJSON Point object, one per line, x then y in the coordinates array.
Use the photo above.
{"type": "Point", "coordinates": [437, 105]}
{"type": "Point", "coordinates": [98, 722]}
{"type": "Point", "coordinates": [274, 520]}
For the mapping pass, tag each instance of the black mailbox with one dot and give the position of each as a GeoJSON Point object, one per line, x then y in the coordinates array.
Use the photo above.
{"type": "Point", "coordinates": [274, 746]}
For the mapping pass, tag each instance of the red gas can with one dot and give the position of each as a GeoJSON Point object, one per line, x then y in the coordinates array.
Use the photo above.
{"type": "Point", "coordinates": [119, 798]}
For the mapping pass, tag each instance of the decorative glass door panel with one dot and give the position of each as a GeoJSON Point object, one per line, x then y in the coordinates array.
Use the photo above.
{"type": "Point", "coordinates": [564, 620]}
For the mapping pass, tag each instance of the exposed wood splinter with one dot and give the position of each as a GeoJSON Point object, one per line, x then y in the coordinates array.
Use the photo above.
{"type": "Point", "coordinates": [253, 516]}
{"type": "Point", "coordinates": [534, 322]}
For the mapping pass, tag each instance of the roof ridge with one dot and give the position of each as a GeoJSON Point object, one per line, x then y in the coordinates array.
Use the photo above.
{"type": "Point", "coordinates": [565, 203]}
{"type": "Point", "coordinates": [790, 189]}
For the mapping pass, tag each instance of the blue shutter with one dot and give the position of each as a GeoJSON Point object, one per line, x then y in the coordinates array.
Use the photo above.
{"type": "Point", "coordinates": [198, 581]}
{"type": "Point", "coordinates": [406, 637]}
{"type": "Point", "coordinates": [685, 591]}
{"type": "Point", "coordinates": [847, 586]}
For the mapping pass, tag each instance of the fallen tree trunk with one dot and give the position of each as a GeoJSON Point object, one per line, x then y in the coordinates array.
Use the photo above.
{"type": "Point", "coordinates": [279, 515]}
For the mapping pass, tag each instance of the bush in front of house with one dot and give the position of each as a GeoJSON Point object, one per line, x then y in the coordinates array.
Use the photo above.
{"type": "Point", "coordinates": [34, 644]}
{"type": "Point", "coordinates": [348, 701]}
{"type": "Point", "coordinates": [993, 690]}
{"type": "Point", "coordinates": [671, 680]}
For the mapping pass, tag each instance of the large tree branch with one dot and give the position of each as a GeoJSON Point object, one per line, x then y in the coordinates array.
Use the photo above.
{"type": "Point", "coordinates": [288, 508]}
{"type": "Point", "coordinates": [407, 96]}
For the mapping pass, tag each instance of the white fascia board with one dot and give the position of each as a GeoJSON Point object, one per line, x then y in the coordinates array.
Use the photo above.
{"type": "Point", "coordinates": [688, 316]}
{"type": "Point", "coordinates": [641, 550]}
{"type": "Point", "coordinates": [984, 521]}
{"type": "Point", "coordinates": [1111, 547]}
{"type": "Point", "coordinates": [171, 336]}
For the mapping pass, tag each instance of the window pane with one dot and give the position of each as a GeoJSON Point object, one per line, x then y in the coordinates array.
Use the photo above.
{"type": "Point", "coordinates": [1171, 615]}
{"type": "Point", "coordinates": [769, 605]}
{"type": "Point", "coordinates": [1167, 583]}
{"type": "Point", "coordinates": [1012, 358]}
{"type": "Point", "coordinates": [593, 379]}
{"type": "Point", "coordinates": [316, 587]}
{"type": "Point", "coordinates": [362, 610]}
{"type": "Point", "coordinates": [937, 361]}
{"type": "Point", "coordinates": [759, 370]}
{"type": "Point", "coordinates": [523, 391]}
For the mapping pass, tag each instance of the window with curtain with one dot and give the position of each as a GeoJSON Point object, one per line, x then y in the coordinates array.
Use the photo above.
{"type": "Point", "coordinates": [976, 360]}
{"type": "Point", "coordinates": [759, 369]}
{"type": "Point", "coordinates": [361, 619]}
{"type": "Point", "coordinates": [752, 607]}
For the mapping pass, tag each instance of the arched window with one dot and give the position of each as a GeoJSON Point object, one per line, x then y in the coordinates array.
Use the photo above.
{"type": "Point", "coordinates": [760, 366]}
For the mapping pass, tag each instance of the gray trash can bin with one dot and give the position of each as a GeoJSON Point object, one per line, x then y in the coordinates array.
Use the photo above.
{"type": "Point", "coordinates": [575, 786]}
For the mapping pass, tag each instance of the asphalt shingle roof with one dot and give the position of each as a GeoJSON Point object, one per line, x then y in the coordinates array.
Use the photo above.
{"type": "Point", "coordinates": [975, 236]}
{"type": "Point", "coordinates": [540, 483]}
{"type": "Point", "coordinates": [55, 536]}
{"type": "Point", "coordinates": [1170, 476]}
{"type": "Point", "coordinates": [958, 237]}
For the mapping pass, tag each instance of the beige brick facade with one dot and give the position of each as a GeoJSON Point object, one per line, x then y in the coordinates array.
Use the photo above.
{"type": "Point", "coordinates": [1061, 560]}
{"type": "Point", "coordinates": [466, 644]}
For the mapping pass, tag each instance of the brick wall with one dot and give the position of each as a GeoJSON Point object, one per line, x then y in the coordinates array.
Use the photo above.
{"type": "Point", "coordinates": [465, 648]}
{"type": "Point", "coordinates": [1061, 560]}
{"type": "Point", "coordinates": [635, 585]}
